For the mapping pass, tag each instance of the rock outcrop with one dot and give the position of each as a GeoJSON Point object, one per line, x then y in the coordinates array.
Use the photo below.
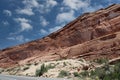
{"type": "Point", "coordinates": [89, 36]}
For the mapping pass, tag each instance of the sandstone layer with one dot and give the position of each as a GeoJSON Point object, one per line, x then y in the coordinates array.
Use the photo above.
{"type": "Point", "coordinates": [91, 35]}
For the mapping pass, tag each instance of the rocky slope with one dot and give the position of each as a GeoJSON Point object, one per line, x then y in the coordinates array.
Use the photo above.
{"type": "Point", "coordinates": [90, 36]}
{"type": "Point", "coordinates": [54, 68]}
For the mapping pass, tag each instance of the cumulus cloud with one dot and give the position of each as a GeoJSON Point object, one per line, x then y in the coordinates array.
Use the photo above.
{"type": "Point", "coordinates": [68, 9]}
{"type": "Point", "coordinates": [7, 12]}
{"type": "Point", "coordinates": [75, 4]}
{"type": "Point", "coordinates": [25, 26]}
{"type": "Point", "coordinates": [19, 38]}
{"type": "Point", "coordinates": [65, 17]}
{"type": "Point", "coordinates": [92, 8]}
{"type": "Point", "coordinates": [24, 23]}
{"type": "Point", "coordinates": [43, 7]}
{"type": "Point", "coordinates": [51, 30]}
{"type": "Point", "coordinates": [51, 3]}
{"type": "Point", "coordinates": [71, 7]}
{"type": "Point", "coordinates": [47, 6]}
{"type": "Point", "coordinates": [43, 32]}
{"type": "Point", "coordinates": [27, 11]}
{"type": "Point", "coordinates": [21, 20]}
{"type": "Point", "coordinates": [55, 29]}
{"type": "Point", "coordinates": [28, 8]}
{"type": "Point", "coordinates": [5, 23]}
{"type": "Point", "coordinates": [43, 21]}
{"type": "Point", "coordinates": [31, 3]}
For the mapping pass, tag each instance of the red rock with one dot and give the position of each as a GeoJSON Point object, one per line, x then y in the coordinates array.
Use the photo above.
{"type": "Point", "coordinates": [89, 36]}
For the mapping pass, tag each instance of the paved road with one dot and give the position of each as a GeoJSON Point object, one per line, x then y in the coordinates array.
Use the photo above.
{"type": "Point", "coordinates": [9, 77]}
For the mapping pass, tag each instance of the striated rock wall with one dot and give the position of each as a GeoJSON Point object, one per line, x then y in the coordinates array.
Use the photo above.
{"type": "Point", "coordinates": [82, 31]}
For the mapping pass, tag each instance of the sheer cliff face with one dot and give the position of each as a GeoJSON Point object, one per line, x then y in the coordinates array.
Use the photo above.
{"type": "Point", "coordinates": [91, 33]}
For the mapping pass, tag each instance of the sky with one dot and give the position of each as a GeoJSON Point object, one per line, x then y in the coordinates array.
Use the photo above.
{"type": "Point", "coordinates": [22, 21]}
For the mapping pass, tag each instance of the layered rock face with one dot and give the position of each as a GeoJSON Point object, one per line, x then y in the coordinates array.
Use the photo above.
{"type": "Point", "coordinates": [89, 36]}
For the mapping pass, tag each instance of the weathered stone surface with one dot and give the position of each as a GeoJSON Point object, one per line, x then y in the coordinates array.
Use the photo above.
{"type": "Point", "coordinates": [84, 37]}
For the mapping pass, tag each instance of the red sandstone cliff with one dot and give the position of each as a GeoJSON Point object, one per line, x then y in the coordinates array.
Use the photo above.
{"type": "Point", "coordinates": [89, 36]}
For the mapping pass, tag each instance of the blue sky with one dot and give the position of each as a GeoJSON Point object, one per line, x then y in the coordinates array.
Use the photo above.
{"type": "Point", "coordinates": [26, 20]}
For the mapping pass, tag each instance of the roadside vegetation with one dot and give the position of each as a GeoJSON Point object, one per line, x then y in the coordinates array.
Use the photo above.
{"type": "Point", "coordinates": [82, 70]}
{"type": "Point", "coordinates": [43, 69]}
{"type": "Point", "coordinates": [107, 72]}
{"type": "Point", "coordinates": [63, 73]}
{"type": "Point", "coordinates": [101, 60]}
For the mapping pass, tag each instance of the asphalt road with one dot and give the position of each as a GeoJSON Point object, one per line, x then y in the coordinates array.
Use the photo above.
{"type": "Point", "coordinates": [10, 77]}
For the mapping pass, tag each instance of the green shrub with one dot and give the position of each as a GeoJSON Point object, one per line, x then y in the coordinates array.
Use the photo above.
{"type": "Point", "coordinates": [101, 60]}
{"type": "Point", "coordinates": [64, 63]}
{"type": "Point", "coordinates": [25, 68]}
{"type": "Point", "coordinates": [84, 74]}
{"type": "Point", "coordinates": [36, 63]}
{"type": "Point", "coordinates": [50, 66]}
{"type": "Point", "coordinates": [82, 60]}
{"type": "Point", "coordinates": [1, 70]}
{"type": "Point", "coordinates": [41, 71]}
{"type": "Point", "coordinates": [28, 64]}
{"type": "Point", "coordinates": [76, 74]}
{"type": "Point", "coordinates": [63, 73]}
{"type": "Point", "coordinates": [105, 73]}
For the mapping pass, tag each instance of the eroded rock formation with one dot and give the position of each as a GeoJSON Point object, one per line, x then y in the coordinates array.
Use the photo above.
{"type": "Point", "coordinates": [89, 36]}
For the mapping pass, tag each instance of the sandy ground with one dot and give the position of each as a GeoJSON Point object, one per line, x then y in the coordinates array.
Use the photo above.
{"type": "Point", "coordinates": [68, 65]}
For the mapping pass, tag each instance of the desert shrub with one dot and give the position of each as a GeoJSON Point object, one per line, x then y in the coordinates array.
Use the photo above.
{"type": "Point", "coordinates": [84, 74]}
{"type": "Point", "coordinates": [105, 73]}
{"type": "Point", "coordinates": [38, 72]}
{"type": "Point", "coordinates": [76, 74]}
{"type": "Point", "coordinates": [64, 63]}
{"type": "Point", "coordinates": [41, 71]}
{"type": "Point", "coordinates": [36, 63]}
{"type": "Point", "coordinates": [25, 68]}
{"type": "Point", "coordinates": [97, 72]}
{"type": "Point", "coordinates": [50, 66]}
{"type": "Point", "coordinates": [101, 60]}
{"type": "Point", "coordinates": [63, 73]}
{"type": "Point", "coordinates": [1, 70]}
{"type": "Point", "coordinates": [28, 64]}
{"type": "Point", "coordinates": [82, 60]}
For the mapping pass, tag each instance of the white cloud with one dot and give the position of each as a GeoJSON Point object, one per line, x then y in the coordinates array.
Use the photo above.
{"type": "Point", "coordinates": [19, 38]}
{"type": "Point", "coordinates": [75, 4]}
{"type": "Point", "coordinates": [27, 11]}
{"type": "Point", "coordinates": [65, 17]}
{"type": "Point", "coordinates": [31, 3]}
{"type": "Point", "coordinates": [28, 8]}
{"type": "Point", "coordinates": [47, 6]}
{"type": "Point", "coordinates": [56, 28]}
{"type": "Point", "coordinates": [43, 21]}
{"type": "Point", "coordinates": [43, 32]}
{"type": "Point", "coordinates": [21, 20]}
{"type": "Point", "coordinates": [11, 38]}
{"type": "Point", "coordinates": [51, 30]}
{"type": "Point", "coordinates": [51, 3]}
{"type": "Point", "coordinates": [92, 8]}
{"type": "Point", "coordinates": [7, 12]}
{"type": "Point", "coordinates": [24, 23]}
{"type": "Point", "coordinates": [25, 26]}
{"type": "Point", "coordinates": [5, 23]}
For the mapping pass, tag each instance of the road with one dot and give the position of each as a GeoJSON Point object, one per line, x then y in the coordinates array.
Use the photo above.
{"type": "Point", "coordinates": [10, 77]}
